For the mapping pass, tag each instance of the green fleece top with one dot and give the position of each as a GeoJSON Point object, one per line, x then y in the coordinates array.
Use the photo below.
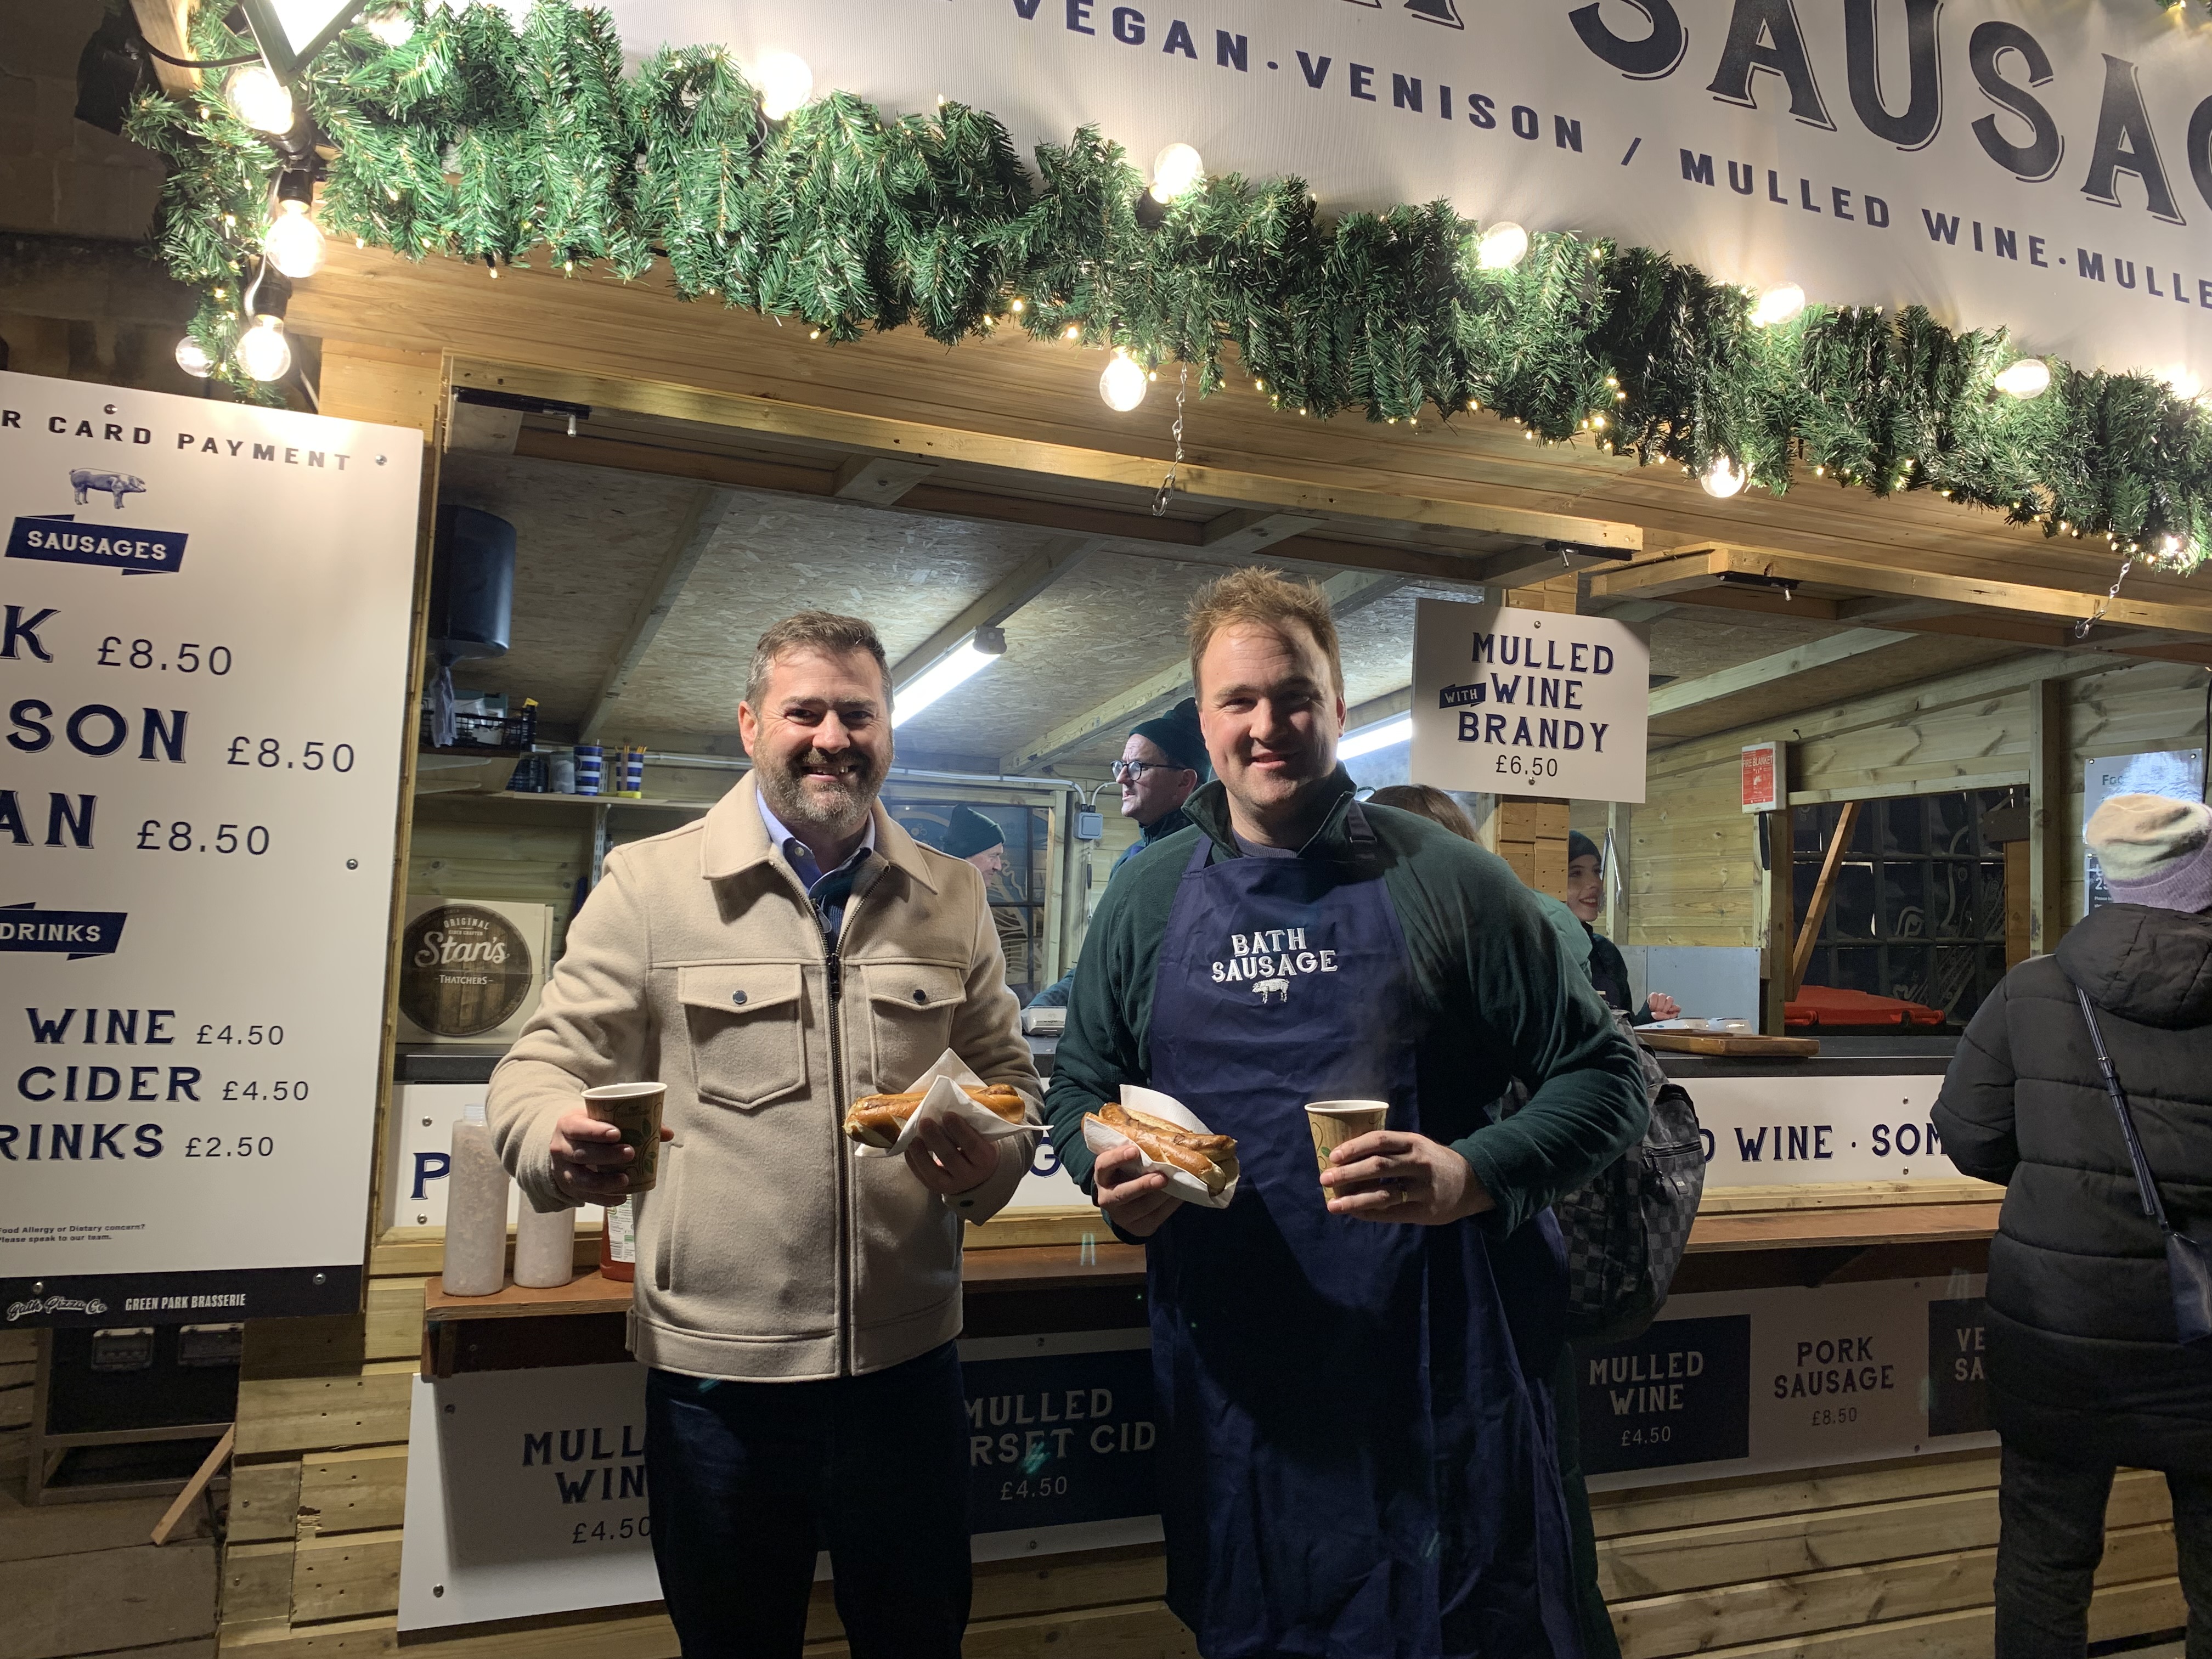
{"type": "Point", "coordinates": [1496, 993]}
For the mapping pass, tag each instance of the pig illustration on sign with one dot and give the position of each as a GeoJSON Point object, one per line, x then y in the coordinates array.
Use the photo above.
{"type": "Point", "coordinates": [118, 484]}
{"type": "Point", "coordinates": [1277, 988]}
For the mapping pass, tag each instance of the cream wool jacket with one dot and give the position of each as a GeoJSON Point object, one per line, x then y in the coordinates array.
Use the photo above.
{"type": "Point", "coordinates": [768, 1251]}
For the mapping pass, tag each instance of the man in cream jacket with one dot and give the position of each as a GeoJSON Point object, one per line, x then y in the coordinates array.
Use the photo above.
{"type": "Point", "coordinates": [790, 952]}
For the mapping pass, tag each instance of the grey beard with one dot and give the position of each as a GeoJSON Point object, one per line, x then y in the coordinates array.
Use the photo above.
{"type": "Point", "coordinates": [787, 800]}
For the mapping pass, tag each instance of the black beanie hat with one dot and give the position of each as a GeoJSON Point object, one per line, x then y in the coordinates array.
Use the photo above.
{"type": "Point", "coordinates": [1175, 734]}
{"type": "Point", "coordinates": [1580, 846]}
{"type": "Point", "coordinates": [970, 832]}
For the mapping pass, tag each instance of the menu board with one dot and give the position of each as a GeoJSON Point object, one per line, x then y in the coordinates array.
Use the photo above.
{"type": "Point", "coordinates": [205, 618]}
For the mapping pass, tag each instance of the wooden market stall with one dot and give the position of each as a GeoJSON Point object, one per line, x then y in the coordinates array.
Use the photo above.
{"type": "Point", "coordinates": [1843, 1560]}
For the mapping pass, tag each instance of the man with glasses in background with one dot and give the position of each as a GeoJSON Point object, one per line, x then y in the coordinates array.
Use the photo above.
{"type": "Point", "coordinates": [1163, 760]}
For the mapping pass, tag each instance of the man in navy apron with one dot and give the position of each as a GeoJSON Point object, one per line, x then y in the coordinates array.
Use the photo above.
{"type": "Point", "coordinates": [1358, 1456]}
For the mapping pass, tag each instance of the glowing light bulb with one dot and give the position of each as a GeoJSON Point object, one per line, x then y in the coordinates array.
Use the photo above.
{"type": "Point", "coordinates": [2028, 378]}
{"type": "Point", "coordinates": [192, 358]}
{"type": "Point", "coordinates": [257, 98]}
{"type": "Point", "coordinates": [1724, 478]}
{"type": "Point", "coordinates": [1502, 246]}
{"type": "Point", "coordinates": [264, 353]}
{"type": "Point", "coordinates": [2182, 382]}
{"type": "Point", "coordinates": [1122, 384]}
{"type": "Point", "coordinates": [391, 25]}
{"type": "Point", "coordinates": [1777, 304]}
{"type": "Point", "coordinates": [1177, 171]}
{"type": "Point", "coordinates": [294, 241]}
{"type": "Point", "coordinates": [785, 83]}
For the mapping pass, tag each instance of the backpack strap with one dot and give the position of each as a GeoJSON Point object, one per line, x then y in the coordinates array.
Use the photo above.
{"type": "Point", "coordinates": [2146, 1187]}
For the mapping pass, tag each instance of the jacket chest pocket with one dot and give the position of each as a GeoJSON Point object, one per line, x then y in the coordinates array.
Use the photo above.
{"type": "Point", "coordinates": [911, 1008]}
{"type": "Point", "coordinates": [748, 1031]}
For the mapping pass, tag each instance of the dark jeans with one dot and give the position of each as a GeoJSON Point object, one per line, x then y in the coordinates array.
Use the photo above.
{"type": "Point", "coordinates": [749, 1480]}
{"type": "Point", "coordinates": [1599, 1641]}
{"type": "Point", "coordinates": [2053, 1536]}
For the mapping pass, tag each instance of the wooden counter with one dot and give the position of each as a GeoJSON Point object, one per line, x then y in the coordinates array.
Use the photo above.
{"type": "Point", "coordinates": [581, 1322]}
{"type": "Point", "coordinates": [1099, 1285]}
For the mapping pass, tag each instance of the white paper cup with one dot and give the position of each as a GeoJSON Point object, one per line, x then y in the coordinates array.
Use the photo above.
{"type": "Point", "coordinates": [1335, 1121]}
{"type": "Point", "coordinates": [633, 1109]}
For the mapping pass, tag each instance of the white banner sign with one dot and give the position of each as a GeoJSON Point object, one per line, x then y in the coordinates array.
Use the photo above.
{"type": "Point", "coordinates": [2037, 163]}
{"type": "Point", "coordinates": [204, 649]}
{"type": "Point", "coordinates": [1528, 702]}
{"type": "Point", "coordinates": [1790, 1131]}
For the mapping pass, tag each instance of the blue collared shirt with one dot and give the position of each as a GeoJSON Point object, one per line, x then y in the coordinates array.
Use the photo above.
{"type": "Point", "coordinates": [827, 893]}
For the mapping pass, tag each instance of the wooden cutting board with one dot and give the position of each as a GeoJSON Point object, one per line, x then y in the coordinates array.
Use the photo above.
{"type": "Point", "coordinates": [1732, 1045]}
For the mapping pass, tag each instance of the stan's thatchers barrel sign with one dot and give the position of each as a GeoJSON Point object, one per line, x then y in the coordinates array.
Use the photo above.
{"type": "Point", "coordinates": [464, 970]}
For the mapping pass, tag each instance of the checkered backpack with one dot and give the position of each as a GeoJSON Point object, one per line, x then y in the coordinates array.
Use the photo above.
{"type": "Point", "coordinates": [1625, 1231]}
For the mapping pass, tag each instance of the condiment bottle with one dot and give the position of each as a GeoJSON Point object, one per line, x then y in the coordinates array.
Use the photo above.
{"type": "Point", "coordinates": [619, 1244]}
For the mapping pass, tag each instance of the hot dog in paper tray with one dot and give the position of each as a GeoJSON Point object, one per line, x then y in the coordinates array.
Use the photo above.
{"type": "Point", "coordinates": [885, 1125]}
{"type": "Point", "coordinates": [1201, 1166]}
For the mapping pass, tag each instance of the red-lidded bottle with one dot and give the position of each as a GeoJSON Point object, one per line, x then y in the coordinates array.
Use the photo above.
{"type": "Point", "coordinates": [618, 1243]}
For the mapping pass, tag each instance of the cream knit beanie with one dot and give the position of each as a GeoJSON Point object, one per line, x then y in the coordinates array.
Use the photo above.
{"type": "Point", "coordinates": [2154, 851]}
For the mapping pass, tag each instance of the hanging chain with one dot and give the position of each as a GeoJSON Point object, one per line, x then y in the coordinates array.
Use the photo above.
{"type": "Point", "coordinates": [2082, 628]}
{"type": "Point", "coordinates": [1168, 484]}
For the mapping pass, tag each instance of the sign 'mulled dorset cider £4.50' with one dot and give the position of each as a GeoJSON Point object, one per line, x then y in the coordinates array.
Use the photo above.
{"type": "Point", "coordinates": [1529, 702]}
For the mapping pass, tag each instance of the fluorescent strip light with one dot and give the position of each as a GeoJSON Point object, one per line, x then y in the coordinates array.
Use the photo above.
{"type": "Point", "coordinates": [954, 669]}
{"type": "Point", "coordinates": [1369, 738]}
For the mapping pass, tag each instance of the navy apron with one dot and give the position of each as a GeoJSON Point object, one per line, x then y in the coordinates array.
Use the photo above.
{"type": "Point", "coordinates": [1357, 1462]}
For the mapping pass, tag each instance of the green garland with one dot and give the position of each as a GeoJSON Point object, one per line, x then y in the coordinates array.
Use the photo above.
{"type": "Point", "coordinates": [478, 141]}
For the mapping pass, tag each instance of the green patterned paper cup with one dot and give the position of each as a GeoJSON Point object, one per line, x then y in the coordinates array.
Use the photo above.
{"type": "Point", "coordinates": [633, 1109]}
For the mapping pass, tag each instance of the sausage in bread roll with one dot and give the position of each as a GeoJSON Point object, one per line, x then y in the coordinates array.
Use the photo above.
{"type": "Point", "coordinates": [878, 1120]}
{"type": "Point", "coordinates": [1211, 1159]}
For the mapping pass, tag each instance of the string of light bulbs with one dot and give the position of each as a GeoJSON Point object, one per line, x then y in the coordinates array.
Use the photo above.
{"type": "Point", "coordinates": [756, 193]}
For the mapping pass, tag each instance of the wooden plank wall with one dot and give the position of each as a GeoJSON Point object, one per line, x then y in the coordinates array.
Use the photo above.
{"type": "Point", "coordinates": [1694, 877]}
{"type": "Point", "coordinates": [1860, 1562]}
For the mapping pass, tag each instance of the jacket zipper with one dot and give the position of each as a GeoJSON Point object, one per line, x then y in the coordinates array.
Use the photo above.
{"type": "Point", "coordinates": [834, 965]}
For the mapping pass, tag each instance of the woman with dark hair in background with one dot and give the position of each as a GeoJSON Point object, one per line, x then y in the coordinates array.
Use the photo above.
{"type": "Point", "coordinates": [1607, 972]}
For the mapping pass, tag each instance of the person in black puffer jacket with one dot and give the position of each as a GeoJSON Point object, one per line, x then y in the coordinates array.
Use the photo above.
{"type": "Point", "coordinates": [2086, 1370]}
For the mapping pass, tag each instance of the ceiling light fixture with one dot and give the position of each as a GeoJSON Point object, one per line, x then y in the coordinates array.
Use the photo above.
{"type": "Point", "coordinates": [1380, 735]}
{"type": "Point", "coordinates": [291, 32]}
{"type": "Point", "coordinates": [956, 667]}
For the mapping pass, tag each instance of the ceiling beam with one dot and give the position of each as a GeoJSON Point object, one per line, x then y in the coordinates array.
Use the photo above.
{"type": "Point", "coordinates": [1349, 591]}
{"type": "Point", "coordinates": [1131, 531]}
{"type": "Point", "coordinates": [1048, 564]}
{"type": "Point", "coordinates": [1385, 708]}
{"type": "Point", "coordinates": [1234, 534]}
{"type": "Point", "coordinates": [878, 481]}
{"type": "Point", "coordinates": [1766, 670]}
{"type": "Point", "coordinates": [1348, 490]}
{"type": "Point", "coordinates": [166, 26]}
{"type": "Point", "coordinates": [702, 517]}
{"type": "Point", "coordinates": [1702, 568]}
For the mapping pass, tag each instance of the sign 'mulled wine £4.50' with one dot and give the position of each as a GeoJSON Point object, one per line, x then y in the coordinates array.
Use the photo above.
{"type": "Point", "coordinates": [203, 634]}
{"type": "Point", "coordinates": [1529, 702]}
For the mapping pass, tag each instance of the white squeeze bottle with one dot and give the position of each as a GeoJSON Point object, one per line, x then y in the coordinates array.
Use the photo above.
{"type": "Point", "coordinates": [476, 1211]}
